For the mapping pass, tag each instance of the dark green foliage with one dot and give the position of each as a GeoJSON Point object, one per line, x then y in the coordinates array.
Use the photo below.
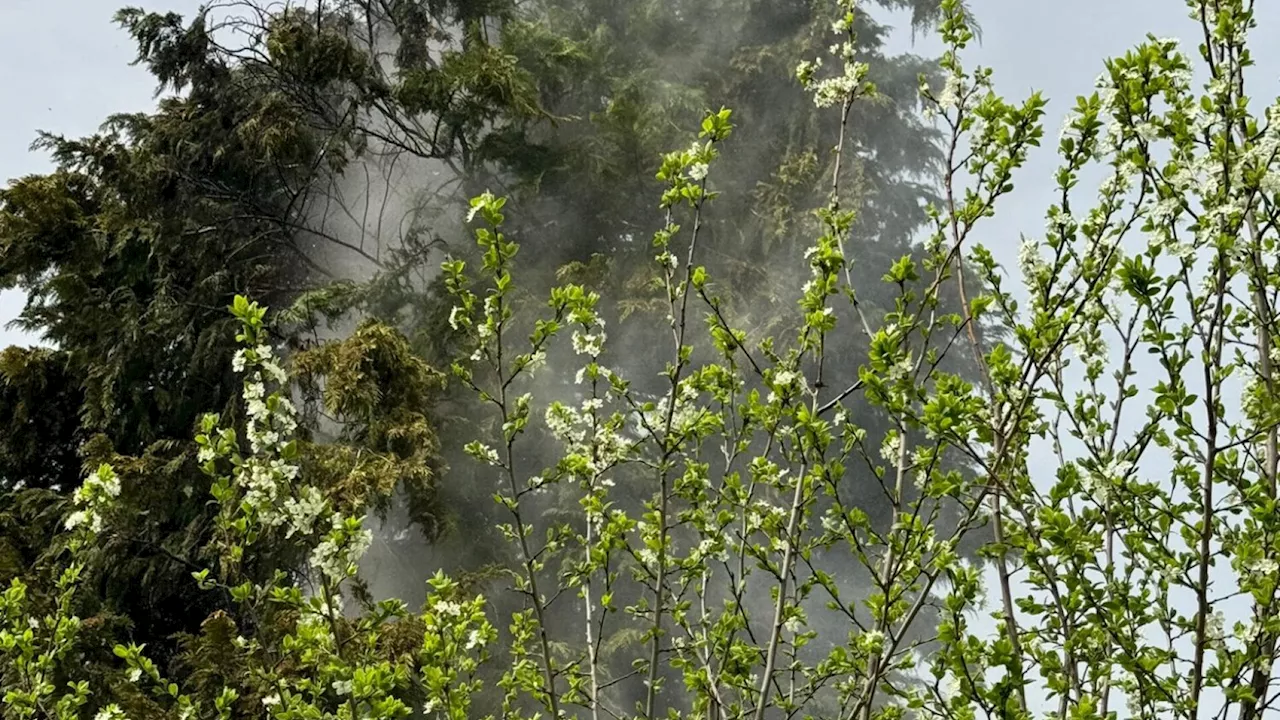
{"type": "Point", "coordinates": [39, 407]}
{"type": "Point", "coordinates": [28, 523]}
{"type": "Point", "coordinates": [131, 250]}
{"type": "Point", "coordinates": [129, 254]}
{"type": "Point", "coordinates": [374, 394]}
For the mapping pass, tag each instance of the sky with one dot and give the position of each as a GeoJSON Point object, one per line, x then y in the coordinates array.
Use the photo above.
{"type": "Point", "coordinates": [1058, 48]}
{"type": "Point", "coordinates": [64, 67]}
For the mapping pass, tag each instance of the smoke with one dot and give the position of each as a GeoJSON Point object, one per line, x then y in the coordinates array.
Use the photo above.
{"type": "Point", "coordinates": [390, 203]}
{"type": "Point", "coordinates": [385, 206]}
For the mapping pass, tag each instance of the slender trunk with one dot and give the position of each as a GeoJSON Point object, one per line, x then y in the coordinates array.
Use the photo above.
{"type": "Point", "coordinates": [788, 555]}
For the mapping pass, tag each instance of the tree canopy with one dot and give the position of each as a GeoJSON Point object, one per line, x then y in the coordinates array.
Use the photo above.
{"type": "Point", "coordinates": [648, 351]}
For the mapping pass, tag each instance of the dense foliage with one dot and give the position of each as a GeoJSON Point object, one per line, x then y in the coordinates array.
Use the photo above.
{"type": "Point", "coordinates": [692, 462]}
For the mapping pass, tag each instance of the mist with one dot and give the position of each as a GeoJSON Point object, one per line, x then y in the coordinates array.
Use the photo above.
{"type": "Point", "coordinates": [388, 198]}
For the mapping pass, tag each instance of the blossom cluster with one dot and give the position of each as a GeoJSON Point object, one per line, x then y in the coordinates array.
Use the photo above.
{"type": "Point", "coordinates": [93, 500]}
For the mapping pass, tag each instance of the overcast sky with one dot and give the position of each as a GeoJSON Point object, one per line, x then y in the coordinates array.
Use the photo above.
{"type": "Point", "coordinates": [64, 67]}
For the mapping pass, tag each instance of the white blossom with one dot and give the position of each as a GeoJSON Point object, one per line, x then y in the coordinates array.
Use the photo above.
{"type": "Point", "coordinates": [950, 687]}
{"type": "Point", "coordinates": [1215, 626]}
{"type": "Point", "coordinates": [536, 361]}
{"type": "Point", "coordinates": [831, 521]}
{"type": "Point", "coordinates": [111, 712]}
{"type": "Point", "coordinates": [486, 454]}
{"type": "Point", "coordinates": [76, 519]}
{"type": "Point", "coordinates": [448, 608]}
{"type": "Point", "coordinates": [951, 91]}
{"type": "Point", "coordinates": [1264, 566]}
{"type": "Point", "coordinates": [891, 447]}
{"type": "Point", "coordinates": [1132, 704]}
{"type": "Point", "coordinates": [591, 344]}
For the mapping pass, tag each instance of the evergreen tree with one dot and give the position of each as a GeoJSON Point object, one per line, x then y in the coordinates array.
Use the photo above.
{"type": "Point", "coordinates": [262, 175]}
{"type": "Point", "coordinates": [131, 250]}
{"type": "Point", "coordinates": [623, 81]}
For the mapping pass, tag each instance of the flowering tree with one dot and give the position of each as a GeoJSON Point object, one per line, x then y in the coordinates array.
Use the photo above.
{"type": "Point", "coordinates": [1114, 573]}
